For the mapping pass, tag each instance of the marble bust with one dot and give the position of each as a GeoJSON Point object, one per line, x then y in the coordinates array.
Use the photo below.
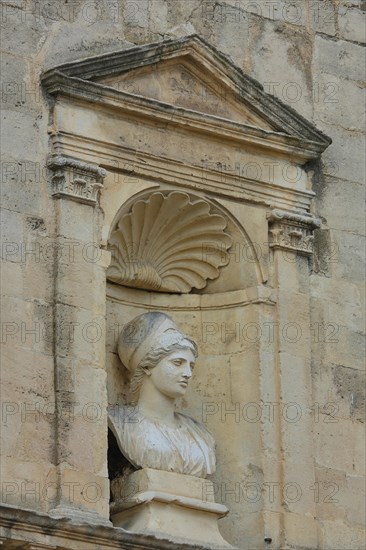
{"type": "Point", "coordinates": [151, 434]}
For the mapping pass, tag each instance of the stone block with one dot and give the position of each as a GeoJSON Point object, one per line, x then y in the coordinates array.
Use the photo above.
{"type": "Point", "coordinates": [117, 383]}
{"type": "Point", "coordinates": [38, 271]}
{"type": "Point", "coordinates": [293, 274]}
{"type": "Point", "coordinates": [28, 406]}
{"type": "Point", "coordinates": [34, 141]}
{"type": "Point", "coordinates": [297, 438]}
{"type": "Point", "coordinates": [338, 391]}
{"type": "Point", "coordinates": [80, 334]}
{"type": "Point", "coordinates": [236, 329]}
{"type": "Point", "coordinates": [37, 431]}
{"type": "Point", "coordinates": [335, 198]}
{"type": "Point", "coordinates": [11, 235]}
{"type": "Point", "coordinates": [295, 375]}
{"type": "Point", "coordinates": [339, 536]}
{"type": "Point", "coordinates": [347, 253]}
{"type": "Point", "coordinates": [352, 23]}
{"type": "Point", "coordinates": [342, 158]}
{"type": "Point", "coordinates": [334, 343]}
{"type": "Point", "coordinates": [28, 20]}
{"type": "Point", "coordinates": [294, 324]}
{"type": "Point", "coordinates": [158, 16]}
{"type": "Point", "coordinates": [344, 450]}
{"type": "Point", "coordinates": [24, 185]}
{"type": "Point", "coordinates": [338, 101]}
{"type": "Point", "coordinates": [344, 302]}
{"type": "Point", "coordinates": [287, 11]}
{"type": "Point", "coordinates": [27, 484]}
{"type": "Point", "coordinates": [21, 88]}
{"type": "Point", "coordinates": [295, 489]}
{"type": "Point", "coordinates": [329, 492]}
{"type": "Point", "coordinates": [85, 437]}
{"type": "Point", "coordinates": [179, 14]}
{"type": "Point", "coordinates": [350, 386]}
{"type": "Point", "coordinates": [27, 326]}
{"type": "Point", "coordinates": [136, 14]}
{"type": "Point", "coordinates": [299, 527]}
{"type": "Point", "coordinates": [11, 278]}
{"type": "Point", "coordinates": [78, 275]}
{"type": "Point", "coordinates": [83, 491]}
{"type": "Point", "coordinates": [323, 17]}
{"type": "Point", "coordinates": [339, 497]}
{"type": "Point", "coordinates": [76, 222]}
{"type": "Point", "coordinates": [107, 21]}
{"type": "Point", "coordinates": [281, 61]}
{"type": "Point", "coordinates": [354, 501]}
{"type": "Point", "coordinates": [347, 350]}
{"type": "Point", "coordinates": [234, 42]}
{"type": "Point", "coordinates": [341, 58]}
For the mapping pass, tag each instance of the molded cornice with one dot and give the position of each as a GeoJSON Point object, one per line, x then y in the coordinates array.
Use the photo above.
{"type": "Point", "coordinates": [285, 130]}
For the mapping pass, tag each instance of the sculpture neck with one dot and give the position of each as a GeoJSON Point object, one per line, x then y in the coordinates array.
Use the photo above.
{"type": "Point", "coordinates": [156, 406]}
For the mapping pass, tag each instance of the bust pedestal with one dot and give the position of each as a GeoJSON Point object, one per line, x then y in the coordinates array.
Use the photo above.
{"type": "Point", "coordinates": [169, 505]}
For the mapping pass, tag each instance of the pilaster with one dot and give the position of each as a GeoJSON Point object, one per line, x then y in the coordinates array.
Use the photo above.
{"type": "Point", "coordinates": [82, 492]}
{"type": "Point", "coordinates": [291, 242]}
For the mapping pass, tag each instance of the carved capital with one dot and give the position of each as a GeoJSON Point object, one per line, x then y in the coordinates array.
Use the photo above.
{"type": "Point", "coordinates": [292, 231]}
{"type": "Point", "coordinates": [75, 180]}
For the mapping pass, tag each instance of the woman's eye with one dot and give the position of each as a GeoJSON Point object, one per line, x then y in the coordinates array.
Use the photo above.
{"type": "Point", "coordinates": [177, 362]}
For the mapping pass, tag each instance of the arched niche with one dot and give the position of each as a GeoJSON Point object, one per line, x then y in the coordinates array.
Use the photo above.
{"type": "Point", "coordinates": [237, 281]}
{"type": "Point", "coordinates": [221, 317]}
{"type": "Point", "coordinates": [189, 229]}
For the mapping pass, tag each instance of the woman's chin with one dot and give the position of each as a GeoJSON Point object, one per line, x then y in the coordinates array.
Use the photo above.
{"type": "Point", "coordinates": [176, 393]}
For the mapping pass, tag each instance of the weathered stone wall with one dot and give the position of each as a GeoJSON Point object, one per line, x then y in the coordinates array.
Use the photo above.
{"type": "Point", "coordinates": [307, 53]}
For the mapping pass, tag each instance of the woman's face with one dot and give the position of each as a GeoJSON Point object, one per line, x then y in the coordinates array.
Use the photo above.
{"type": "Point", "coordinates": [171, 375]}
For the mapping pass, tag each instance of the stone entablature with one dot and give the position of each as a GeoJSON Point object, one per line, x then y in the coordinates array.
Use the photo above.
{"type": "Point", "coordinates": [254, 152]}
{"type": "Point", "coordinates": [269, 117]}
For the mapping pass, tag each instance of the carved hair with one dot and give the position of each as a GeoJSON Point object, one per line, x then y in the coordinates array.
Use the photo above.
{"type": "Point", "coordinates": [153, 358]}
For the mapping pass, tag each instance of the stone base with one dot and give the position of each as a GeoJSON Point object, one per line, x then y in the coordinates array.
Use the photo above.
{"type": "Point", "coordinates": [169, 505]}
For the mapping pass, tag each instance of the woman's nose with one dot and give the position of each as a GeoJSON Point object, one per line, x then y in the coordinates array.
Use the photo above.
{"type": "Point", "coordinates": [187, 373]}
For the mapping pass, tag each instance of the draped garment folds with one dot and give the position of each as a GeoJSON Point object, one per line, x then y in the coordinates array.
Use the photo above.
{"type": "Point", "coordinates": [188, 448]}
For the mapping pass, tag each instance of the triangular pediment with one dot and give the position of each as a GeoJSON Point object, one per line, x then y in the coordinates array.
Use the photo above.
{"type": "Point", "coordinates": [183, 83]}
{"type": "Point", "coordinates": [189, 80]}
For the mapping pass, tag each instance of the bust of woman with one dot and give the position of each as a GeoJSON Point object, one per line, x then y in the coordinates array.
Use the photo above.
{"type": "Point", "coordinates": [160, 359]}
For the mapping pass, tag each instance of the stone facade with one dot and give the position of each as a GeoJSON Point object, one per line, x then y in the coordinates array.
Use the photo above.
{"type": "Point", "coordinates": [280, 326]}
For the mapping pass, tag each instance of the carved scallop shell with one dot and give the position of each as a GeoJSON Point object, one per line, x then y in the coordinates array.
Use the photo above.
{"type": "Point", "coordinates": [168, 243]}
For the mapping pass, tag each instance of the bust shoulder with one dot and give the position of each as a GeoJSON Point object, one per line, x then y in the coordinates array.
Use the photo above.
{"type": "Point", "coordinates": [200, 428]}
{"type": "Point", "coordinates": [188, 448]}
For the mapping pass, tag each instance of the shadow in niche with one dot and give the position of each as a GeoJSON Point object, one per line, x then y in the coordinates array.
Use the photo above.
{"type": "Point", "coordinates": [118, 465]}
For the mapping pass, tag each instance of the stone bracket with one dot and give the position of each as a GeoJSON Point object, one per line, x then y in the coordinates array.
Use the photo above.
{"type": "Point", "coordinates": [76, 180]}
{"type": "Point", "coordinates": [292, 231]}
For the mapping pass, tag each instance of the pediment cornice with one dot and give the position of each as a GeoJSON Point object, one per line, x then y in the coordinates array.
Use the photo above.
{"type": "Point", "coordinates": [270, 124]}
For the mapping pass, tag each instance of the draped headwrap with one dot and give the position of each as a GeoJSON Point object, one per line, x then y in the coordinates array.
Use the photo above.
{"type": "Point", "coordinates": [146, 333]}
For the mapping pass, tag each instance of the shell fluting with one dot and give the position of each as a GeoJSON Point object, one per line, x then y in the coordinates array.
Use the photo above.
{"type": "Point", "coordinates": [168, 243]}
